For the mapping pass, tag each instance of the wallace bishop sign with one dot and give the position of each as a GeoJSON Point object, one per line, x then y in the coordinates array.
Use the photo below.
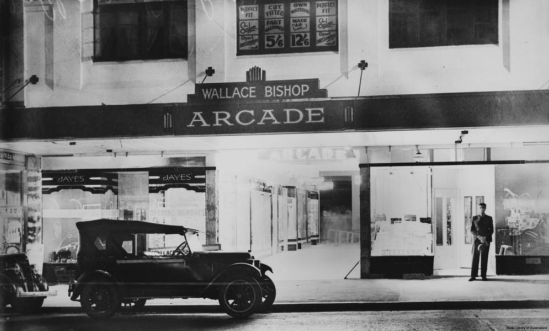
{"type": "Point", "coordinates": [256, 105]}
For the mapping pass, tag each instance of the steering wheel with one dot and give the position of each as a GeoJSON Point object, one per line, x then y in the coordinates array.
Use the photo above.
{"type": "Point", "coordinates": [182, 249]}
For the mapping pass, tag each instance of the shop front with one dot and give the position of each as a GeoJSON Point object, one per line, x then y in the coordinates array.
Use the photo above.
{"type": "Point", "coordinates": [164, 195]}
{"type": "Point", "coordinates": [20, 206]}
{"type": "Point", "coordinates": [421, 217]}
{"type": "Point", "coordinates": [272, 157]}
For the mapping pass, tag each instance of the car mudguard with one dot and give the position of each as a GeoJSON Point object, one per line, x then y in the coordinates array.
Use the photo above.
{"type": "Point", "coordinates": [86, 277]}
{"type": "Point", "coordinates": [234, 269]}
{"type": "Point", "coordinates": [265, 268]}
{"type": "Point", "coordinates": [7, 284]}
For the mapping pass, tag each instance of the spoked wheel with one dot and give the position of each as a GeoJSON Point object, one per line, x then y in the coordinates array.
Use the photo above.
{"type": "Point", "coordinates": [100, 300]}
{"type": "Point", "coordinates": [268, 290]}
{"type": "Point", "coordinates": [240, 297]}
{"type": "Point", "coordinates": [135, 304]}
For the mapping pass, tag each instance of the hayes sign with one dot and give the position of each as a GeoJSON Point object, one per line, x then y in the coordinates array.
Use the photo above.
{"type": "Point", "coordinates": [257, 88]}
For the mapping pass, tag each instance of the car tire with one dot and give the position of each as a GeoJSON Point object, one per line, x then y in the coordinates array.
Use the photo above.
{"type": "Point", "coordinates": [27, 305]}
{"type": "Point", "coordinates": [268, 290]}
{"type": "Point", "coordinates": [100, 299]}
{"type": "Point", "coordinates": [240, 296]}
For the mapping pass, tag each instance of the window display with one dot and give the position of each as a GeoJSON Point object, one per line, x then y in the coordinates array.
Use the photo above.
{"type": "Point", "coordinates": [11, 213]}
{"type": "Point", "coordinates": [522, 209]}
{"type": "Point", "coordinates": [401, 221]}
{"type": "Point", "coordinates": [160, 195]}
{"type": "Point", "coordinates": [268, 27]}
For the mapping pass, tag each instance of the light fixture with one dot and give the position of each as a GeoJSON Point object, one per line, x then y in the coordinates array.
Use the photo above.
{"type": "Point", "coordinates": [209, 72]}
{"type": "Point", "coordinates": [418, 156]}
{"type": "Point", "coordinates": [362, 65]}
{"type": "Point", "coordinates": [32, 80]}
{"type": "Point", "coordinates": [463, 133]}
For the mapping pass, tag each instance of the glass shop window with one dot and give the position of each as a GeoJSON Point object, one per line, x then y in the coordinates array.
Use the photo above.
{"type": "Point", "coordinates": [11, 212]}
{"type": "Point", "coordinates": [61, 211]}
{"type": "Point", "coordinates": [401, 211]}
{"type": "Point", "coordinates": [140, 30]}
{"type": "Point", "coordinates": [176, 206]}
{"type": "Point", "coordinates": [429, 23]}
{"type": "Point", "coordinates": [285, 26]}
{"type": "Point", "coordinates": [522, 209]}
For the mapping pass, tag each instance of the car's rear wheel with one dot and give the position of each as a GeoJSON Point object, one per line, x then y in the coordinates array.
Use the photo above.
{"type": "Point", "coordinates": [100, 299]}
{"type": "Point", "coordinates": [240, 296]}
{"type": "Point", "coordinates": [268, 290]}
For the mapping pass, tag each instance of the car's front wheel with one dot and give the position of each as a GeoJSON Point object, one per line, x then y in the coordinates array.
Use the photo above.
{"type": "Point", "coordinates": [240, 296]}
{"type": "Point", "coordinates": [100, 299]}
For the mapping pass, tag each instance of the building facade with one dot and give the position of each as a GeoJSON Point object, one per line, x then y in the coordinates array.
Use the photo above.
{"type": "Point", "coordinates": [272, 125]}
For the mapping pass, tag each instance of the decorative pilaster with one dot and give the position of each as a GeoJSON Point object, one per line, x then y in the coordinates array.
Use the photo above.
{"type": "Point", "coordinates": [365, 221]}
{"type": "Point", "coordinates": [212, 211]}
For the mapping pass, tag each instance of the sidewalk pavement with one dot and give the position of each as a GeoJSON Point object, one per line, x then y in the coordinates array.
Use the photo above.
{"type": "Point", "coordinates": [500, 292]}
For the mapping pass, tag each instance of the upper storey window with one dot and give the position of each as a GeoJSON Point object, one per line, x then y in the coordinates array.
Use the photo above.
{"type": "Point", "coordinates": [140, 30]}
{"type": "Point", "coordinates": [428, 23]}
{"type": "Point", "coordinates": [286, 26]}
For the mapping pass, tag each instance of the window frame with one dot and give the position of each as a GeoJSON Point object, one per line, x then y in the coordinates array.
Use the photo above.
{"type": "Point", "coordinates": [141, 6]}
{"type": "Point", "coordinates": [414, 27]}
{"type": "Point", "coordinates": [287, 49]}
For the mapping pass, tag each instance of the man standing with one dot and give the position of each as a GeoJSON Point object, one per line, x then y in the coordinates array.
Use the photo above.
{"type": "Point", "coordinates": [482, 229]}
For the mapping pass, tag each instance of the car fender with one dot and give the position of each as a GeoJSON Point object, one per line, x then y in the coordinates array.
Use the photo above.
{"type": "Point", "coordinates": [7, 284]}
{"type": "Point", "coordinates": [236, 268]}
{"type": "Point", "coordinates": [87, 277]}
{"type": "Point", "coordinates": [265, 268]}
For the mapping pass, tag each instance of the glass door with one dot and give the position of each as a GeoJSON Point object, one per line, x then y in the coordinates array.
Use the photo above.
{"type": "Point", "coordinates": [444, 204]}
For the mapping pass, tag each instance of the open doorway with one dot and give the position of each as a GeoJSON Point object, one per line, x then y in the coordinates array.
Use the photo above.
{"type": "Point", "coordinates": [457, 193]}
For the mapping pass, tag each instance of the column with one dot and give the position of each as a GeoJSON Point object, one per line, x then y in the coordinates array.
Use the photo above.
{"type": "Point", "coordinates": [365, 221]}
{"type": "Point", "coordinates": [212, 211]}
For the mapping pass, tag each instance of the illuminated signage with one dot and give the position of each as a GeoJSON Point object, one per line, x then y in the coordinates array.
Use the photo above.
{"type": "Point", "coordinates": [307, 154]}
{"type": "Point", "coordinates": [257, 87]}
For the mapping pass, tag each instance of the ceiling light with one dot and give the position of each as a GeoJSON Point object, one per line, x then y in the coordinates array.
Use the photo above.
{"type": "Point", "coordinates": [418, 156]}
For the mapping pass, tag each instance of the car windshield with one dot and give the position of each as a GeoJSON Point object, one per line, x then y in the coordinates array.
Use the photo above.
{"type": "Point", "coordinates": [194, 242]}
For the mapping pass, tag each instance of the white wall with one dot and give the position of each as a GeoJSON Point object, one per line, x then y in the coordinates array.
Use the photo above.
{"type": "Point", "coordinates": [77, 80]}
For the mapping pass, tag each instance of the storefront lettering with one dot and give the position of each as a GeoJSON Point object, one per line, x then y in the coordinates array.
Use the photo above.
{"type": "Point", "coordinates": [296, 154]}
{"type": "Point", "coordinates": [265, 116]}
{"type": "Point", "coordinates": [300, 7]}
{"type": "Point", "coordinates": [177, 177]}
{"type": "Point", "coordinates": [70, 179]}
{"type": "Point", "coordinates": [6, 156]}
{"type": "Point", "coordinates": [250, 92]}
{"type": "Point", "coordinates": [247, 27]}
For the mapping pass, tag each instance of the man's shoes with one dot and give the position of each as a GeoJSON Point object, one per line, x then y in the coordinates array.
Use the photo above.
{"type": "Point", "coordinates": [484, 278]}
{"type": "Point", "coordinates": [472, 279]}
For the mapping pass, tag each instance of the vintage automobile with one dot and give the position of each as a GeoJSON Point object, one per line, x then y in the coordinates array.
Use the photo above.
{"type": "Point", "coordinates": [114, 268]}
{"type": "Point", "coordinates": [20, 285]}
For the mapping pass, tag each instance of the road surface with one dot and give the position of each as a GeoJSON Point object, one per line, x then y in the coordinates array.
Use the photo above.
{"type": "Point", "coordinates": [444, 320]}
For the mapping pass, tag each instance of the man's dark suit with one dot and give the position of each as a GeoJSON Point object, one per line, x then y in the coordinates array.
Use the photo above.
{"type": "Point", "coordinates": [481, 226]}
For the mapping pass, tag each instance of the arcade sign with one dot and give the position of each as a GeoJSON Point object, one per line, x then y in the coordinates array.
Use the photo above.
{"type": "Point", "coordinates": [257, 87]}
{"type": "Point", "coordinates": [307, 154]}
